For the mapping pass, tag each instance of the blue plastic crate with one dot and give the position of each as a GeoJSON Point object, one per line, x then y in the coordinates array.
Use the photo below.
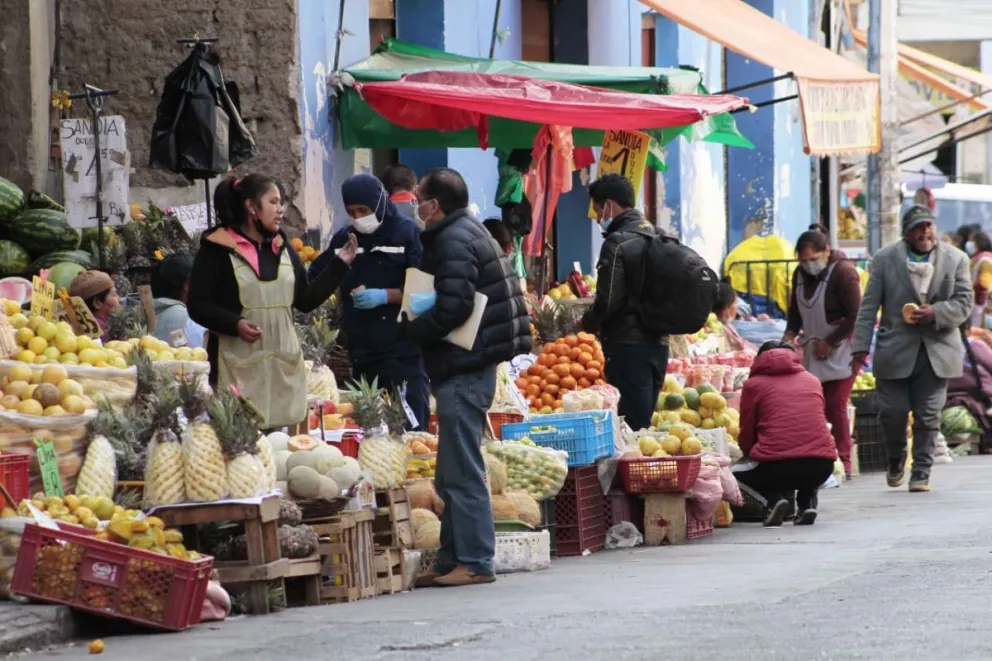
{"type": "Point", "coordinates": [586, 436]}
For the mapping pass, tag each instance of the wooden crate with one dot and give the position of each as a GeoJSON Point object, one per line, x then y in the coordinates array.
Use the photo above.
{"type": "Point", "coordinates": [392, 522]}
{"type": "Point", "coordinates": [347, 560]}
{"type": "Point", "coordinates": [303, 581]}
{"type": "Point", "coordinates": [390, 571]}
{"type": "Point", "coordinates": [261, 520]}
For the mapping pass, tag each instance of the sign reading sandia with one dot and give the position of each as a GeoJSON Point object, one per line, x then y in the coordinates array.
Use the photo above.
{"type": "Point", "coordinates": [624, 153]}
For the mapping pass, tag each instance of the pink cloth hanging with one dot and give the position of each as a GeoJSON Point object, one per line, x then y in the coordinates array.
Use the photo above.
{"type": "Point", "coordinates": [536, 188]}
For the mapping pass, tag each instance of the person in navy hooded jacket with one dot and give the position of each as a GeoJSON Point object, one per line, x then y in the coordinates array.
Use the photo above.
{"type": "Point", "coordinates": [388, 244]}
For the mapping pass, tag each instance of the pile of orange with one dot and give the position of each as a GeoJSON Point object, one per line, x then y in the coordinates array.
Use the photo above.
{"type": "Point", "coordinates": [570, 363]}
{"type": "Point", "coordinates": [307, 253]}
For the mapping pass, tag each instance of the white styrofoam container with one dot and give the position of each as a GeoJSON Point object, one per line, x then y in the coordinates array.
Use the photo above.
{"type": "Point", "coordinates": [522, 551]}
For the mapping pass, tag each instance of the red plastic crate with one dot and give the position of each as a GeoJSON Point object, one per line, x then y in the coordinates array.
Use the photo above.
{"type": "Point", "coordinates": [622, 507]}
{"type": "Point", "coordinates": [349, 444]}
{"type": "Point", "coordinates": [580, 513]}
{"type": "Point", "coordinates": [109, 579]}
{"type": "Point", "coordinates": [497, 420]}
{"type": "Point", "coordinates": [14, 470]}
{"type": "Point", "coordinates": [659, 474]}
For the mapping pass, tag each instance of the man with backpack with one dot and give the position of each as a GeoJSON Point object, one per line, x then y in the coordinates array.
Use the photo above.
{"type": "Point", "coordinates": [649, 286]}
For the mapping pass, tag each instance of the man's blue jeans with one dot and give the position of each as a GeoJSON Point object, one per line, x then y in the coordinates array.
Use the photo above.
{"type": "Point", "coordinates": [468, 536]}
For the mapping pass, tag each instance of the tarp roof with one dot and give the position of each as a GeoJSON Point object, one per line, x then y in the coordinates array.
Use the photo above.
{"type": "Point", "coordinates": [456, 100]}
{"type": "Point", "coordinates": [361, 126]}
{"type": "Point", "coordinates": [838, 99]}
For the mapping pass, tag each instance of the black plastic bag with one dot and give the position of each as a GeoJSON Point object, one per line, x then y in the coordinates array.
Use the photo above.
{"type": "Point", "coordinates": [198, 131]}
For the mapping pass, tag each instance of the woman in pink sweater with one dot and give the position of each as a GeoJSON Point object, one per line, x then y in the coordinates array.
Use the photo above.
{"type": "Point", "coordinates": [784, 433]}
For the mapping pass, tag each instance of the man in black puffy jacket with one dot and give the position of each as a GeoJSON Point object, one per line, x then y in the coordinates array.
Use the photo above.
{"type": "Point", "coordinates": [464, 259]}
{"type": "Point", "coordinates": [636, 358]}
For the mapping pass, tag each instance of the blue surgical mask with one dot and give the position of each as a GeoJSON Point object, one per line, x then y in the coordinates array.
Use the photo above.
{"type": "Point", "coordinates": [605, 221]}
{"type": "Point", "coordinates": [969, 247]}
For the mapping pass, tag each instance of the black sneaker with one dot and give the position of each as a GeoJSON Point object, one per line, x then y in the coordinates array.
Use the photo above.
{"type": "Point", "coordinates": [776, 514]}
{"type": "Point", "coordinates": [806, 517]}
{"type": "Point", "coordinates": [919, 483]}
{"type": "Point", "coordinates": [896, 475]}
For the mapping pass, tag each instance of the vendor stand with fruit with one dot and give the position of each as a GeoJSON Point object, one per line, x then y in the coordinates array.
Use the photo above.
{"type": "Point", "coordinates": [246, 282]}
{"type": "Point", "coordinates": [826, 295]}
{"type": "Point", "coordinates": [388, 244]}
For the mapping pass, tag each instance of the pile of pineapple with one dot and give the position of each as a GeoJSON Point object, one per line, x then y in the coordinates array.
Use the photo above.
{"type": "Point", "coordinates": [44, 342]}
{"type": "Point", "coordinates": [47, 392]}
{"type": "Point", "coordinates": [186, 443]}
{"type": "Point", "coordinates": [382, 452]}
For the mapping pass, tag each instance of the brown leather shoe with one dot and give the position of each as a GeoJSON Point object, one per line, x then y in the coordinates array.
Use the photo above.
{"type": "Point", "coordinates": [460, 575]}
{"type": "Point", "coordinates": [426, 580]}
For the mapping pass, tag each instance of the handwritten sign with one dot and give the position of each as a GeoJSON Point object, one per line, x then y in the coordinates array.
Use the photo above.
{"type": "Point", "coordinates": [193, 217]}
{"type": "Point", "coordinates": [79, 169]}
{"type": "Point", "coordinates": [73, 310]}
{"type": "Point", "coordinates": [8, 340]}
{"type": "Point", "coordinates": [177, 338]}
{"type": "Point", "coordinates": [49, 464]}
{"type": "Point", "coordinates": [410, 415]}
{"type": "Point", "coordinates": [42, 297]}
{"type": "Point", "coordinates": [148, 305]}
{"type": "Point", "coordinates": [624, 153]}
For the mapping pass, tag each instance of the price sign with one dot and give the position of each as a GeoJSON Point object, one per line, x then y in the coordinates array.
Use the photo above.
{"type": "Point", "coordinates": [177, 338]}
{"type": "Point", "coordinates": [410, 415]}
{"type": "Point", "coordinates": [624, 153]}
{"type": "Point", "coordinates": [75, 311]}
{"type": "Point", "coordinates": [148, 305]}
{"type": "Point", "coordinates": [42, 296]}
{"type": "Point", "coordinates": [49, 464]}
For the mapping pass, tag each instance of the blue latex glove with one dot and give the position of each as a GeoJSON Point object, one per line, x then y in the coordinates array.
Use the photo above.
{"type": "Point", "coordinates": [369, 298]}
{"type": "Point", "coordinates": [421, 303]}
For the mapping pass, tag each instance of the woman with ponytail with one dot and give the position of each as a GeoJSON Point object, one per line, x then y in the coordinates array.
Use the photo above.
{"type": "Point", "coordinates": [246, 281]}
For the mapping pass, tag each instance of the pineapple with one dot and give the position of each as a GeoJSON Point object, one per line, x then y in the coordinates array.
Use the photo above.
{"type": "Point", "coordinates": [266, 456]}
{"type": "Point", "coordinates": [236, 425]}
{"type": "Point", "coordinates": [164, 483]}
{"type": "Point", "coordinates": [377, 453]}
{"type": "Point", "coordinates": [394, 415]}
{"type": "Point", "coordinates": [98, 476]}
{"type": "Point", "coordinates": [131, 434]}
{"type": "Point", "coordinates": [203, 459]}
{"type": "Point", "coordinates": [125, 323]}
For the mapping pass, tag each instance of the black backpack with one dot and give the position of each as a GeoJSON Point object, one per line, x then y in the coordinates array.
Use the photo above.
{"type": "Point", "coordinates": [678, 288]}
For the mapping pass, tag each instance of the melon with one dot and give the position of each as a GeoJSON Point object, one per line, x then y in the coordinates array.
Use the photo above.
{"type": "Point", "coordinates": [347, 473]}
{"type": "Point", "coordinates": [420, 516]}
{"type": "Point", "coordinates": [674, 401]}
{"type": "Point", "coordinates": [691, 396]}
{"type": "Point", "coordinates": [63, 273]}
{"type": "Point", "coordinates": [428, 536]}
{"type": "Point", "coordinates": [301, 442]}
{"type": "Point", "coordinates": [304, 482]}
{"type": "Point", "coordinates": [703, 388]}
{"type": "Point", "coordinates": [421, 494]}
{"type": "Point", "coordinates": [503, 509]}
{"type": "Point", "coordinates": [14, 259]}
{"type": "Point", "coordinates": [527, 508]}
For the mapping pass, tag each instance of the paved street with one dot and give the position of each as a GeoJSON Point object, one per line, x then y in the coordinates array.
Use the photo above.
{"type": "Point", "coordinates": [883, 575]}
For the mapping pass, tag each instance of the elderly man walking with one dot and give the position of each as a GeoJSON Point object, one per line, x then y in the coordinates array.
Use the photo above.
{"type": "Point", "coordinates": [923, 289]}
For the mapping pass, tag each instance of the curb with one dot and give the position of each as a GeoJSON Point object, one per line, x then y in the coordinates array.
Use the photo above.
{"type": "Point", "coordinates": [24, 626]}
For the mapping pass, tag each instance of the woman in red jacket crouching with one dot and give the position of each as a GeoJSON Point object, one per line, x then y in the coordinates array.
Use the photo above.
{"type": "Point", "coordinates": [784, 435]}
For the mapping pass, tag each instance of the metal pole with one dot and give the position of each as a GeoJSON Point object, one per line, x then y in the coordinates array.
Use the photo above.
{"type": "Point", "coordinates": [492, 41]}
{"type": "Point", "coordinates": [883, 169]}
{"type": "Point", "coordinates": [206, 193]}
{"type": "Point", "coordinates": [95, 98]}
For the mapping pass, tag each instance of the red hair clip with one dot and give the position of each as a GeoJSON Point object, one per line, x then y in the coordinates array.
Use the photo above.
{"type": "Point", "coordinates": [237, 183]}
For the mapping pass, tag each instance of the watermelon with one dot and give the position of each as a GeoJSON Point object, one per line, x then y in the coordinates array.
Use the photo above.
{"type": "Point", "coordinates": [958, 420]}
{"type": "Point", "coordinates": [38, 200]}
{"type": "Point", "coordinates": [63, 273]}
{"type": "Point", "coordinates": [14, 259]}
{"type": "Point", "coordinates": [11, 199]}
{"type": "Point", "coordinates": [49, 260]}
{"type": "Point", "coordinates": [41, 231]}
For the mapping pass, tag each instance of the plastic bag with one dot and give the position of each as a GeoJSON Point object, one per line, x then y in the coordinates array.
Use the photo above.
{"type": "Point", "coordinates": [508, 398]}
{"type": "Point", "coordinates": [583, 400]}
{"type": "Point", "coordinates": [624, 535]}
{"type": "Point", "coordinates": [539, 471]}
{"type": "Point", "coordinates": [707, 492]}
{"type": "Point", "coordinates": [67, 433]}
{"type": "Point", "coordinates": [164, 470]}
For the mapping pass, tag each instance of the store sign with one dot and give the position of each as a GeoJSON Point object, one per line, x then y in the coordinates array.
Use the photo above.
{"type": "Point", "coordinates": [193, 217]}
{"type": "Point", "coordinates": [79, 170]}
{"type": "Point", "coordinates": [624, 153]}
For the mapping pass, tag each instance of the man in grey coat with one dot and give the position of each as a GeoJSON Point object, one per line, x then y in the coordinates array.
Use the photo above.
{"type": "Point", "coordinates": [924, 291]}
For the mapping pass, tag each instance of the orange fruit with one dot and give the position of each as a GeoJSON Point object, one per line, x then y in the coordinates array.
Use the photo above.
{"type": "Point", "coordinates": [592, 374]}
{"type": "Point", "coordinates": [594, 364]}
{"type": "Point", "coordinates": [584, 383]}
{"type": "Point", "coordinates": [297, 243]}
{"type": "Point", "coordinates": [577, 371]}
{"type": "Point", "coordinates": [552, 379]}
{"type": "Point", "coordinates": [561, 369]}
{"type": "Point", "coordinates": [585, 348]}
{"type": "Point", "coordinates": [585, 358]}
{"type": "Point", "coordinates": [521, 384]}
{"type": "Point", "coordinates": [558, 405]}
{"type": "Point", "coordinates": [561, 348]}
{"type": "Point", "coordinates": [545, 410]}
{"type": "Point", "coordinates": [547, 359]}
{"type": "Point", "coordinates": [535, 370]}
{"type": "Point", "coordinates": [600, 382]}
{"type": "Point", "coordinates": [534, 380]}
{"type": "Point", "coordinates": [547, 399]}
{"type": "Point", "coordinates": [551, 389]}
{"type": "Point", "coordinates": [568, 383]}
{"type": "Point", "coordinates": [571, 340]}
{"type": "Point", "coordinates": [599, 357]}
{"type": "Point", "coordinates": [586, 337]}
{"type": "Point", "coordinates": [574, 354]}
{"type": "Point", "coordinates": [564, 360]}
{"type": "Point", "coordinates": [532, 390]}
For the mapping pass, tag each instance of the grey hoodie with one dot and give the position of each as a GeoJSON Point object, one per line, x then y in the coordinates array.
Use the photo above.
{"type": "Point", "coordinates": [171, 315]}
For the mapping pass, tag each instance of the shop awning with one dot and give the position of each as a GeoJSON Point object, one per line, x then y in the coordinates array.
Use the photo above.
{"type": "Point", "coordinates": [838, 99]}
{"type": "Point", "coordinates": [455, 101]}
{"type": "Point", "coordinates": [361, 126]}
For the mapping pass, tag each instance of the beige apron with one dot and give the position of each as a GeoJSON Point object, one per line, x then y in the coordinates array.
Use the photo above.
{"type": "Point", "coordinates": [270, 371]}
{"type": "Point", "coordinates": [837, 366]}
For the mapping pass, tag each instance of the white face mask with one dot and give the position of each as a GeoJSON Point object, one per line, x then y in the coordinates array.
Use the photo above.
{"type": "Point", "coordinates": [815, 266]}
{"type": "Point", "coordinates": [366, 224]}
{"type": "Point", "coordinates": [416, 218]}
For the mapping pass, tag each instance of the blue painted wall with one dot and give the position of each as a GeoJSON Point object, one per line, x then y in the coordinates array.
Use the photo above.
{"type": "Point", "coordinates": [325, 165]}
